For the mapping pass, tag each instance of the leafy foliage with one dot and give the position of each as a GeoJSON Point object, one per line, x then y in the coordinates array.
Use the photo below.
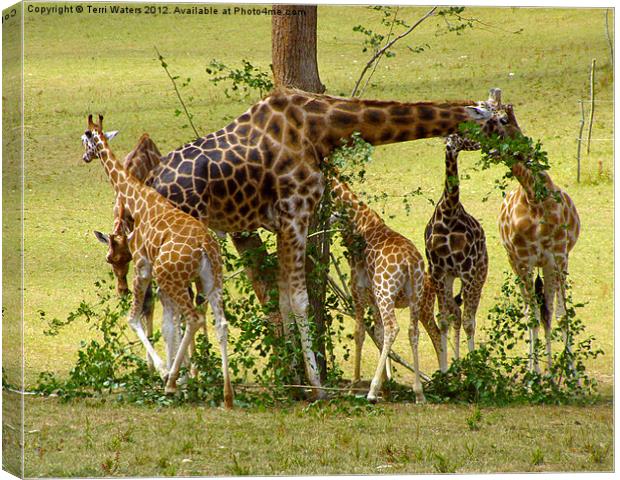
{"type": "Point", "coordinates": [508, 152]}
{"type": "Point", "coordinates": [244, 79]}
{"type": "Point", "coordinates": [374, 40]}
{"type": "Point", "coordinates": [496, 373]}
{"type": "Point", "coordinates": [454, 21]}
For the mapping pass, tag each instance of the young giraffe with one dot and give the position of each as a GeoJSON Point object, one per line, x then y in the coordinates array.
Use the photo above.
{"type": "Point", "coordinates": [539, 234]}
{"type": "Point", "coordinates": [455, 248]}
{"type": "Point", "coordinates": [139, 162]}
{"type": "Point", "coordinates": [387, 272]}
{"type": "Point", "coordinates": [169, 245]}
{"type": "Point", "coordinates": [264, 170]}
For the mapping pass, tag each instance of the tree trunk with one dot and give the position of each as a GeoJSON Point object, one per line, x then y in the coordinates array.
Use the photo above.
{"type": "Point", "coordinates": [293, 48]}
{"type": "Point", "coordinates": [294, 60]}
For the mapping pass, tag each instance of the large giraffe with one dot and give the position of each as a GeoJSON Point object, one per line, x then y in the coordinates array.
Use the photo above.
{"type": "Point", "coordinates": [539, 234]}
{"type": "Point", "coordinates": [387, 272]}
{"type": "Point", "coordinates": [455, 248]}
{"type": "Point", "coordinates": [173, 247]}
{"type": "Point", "coordinates": [264, 170]}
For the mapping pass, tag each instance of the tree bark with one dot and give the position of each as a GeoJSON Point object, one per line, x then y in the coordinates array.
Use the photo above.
{"type": "Point", "coordinates": [294, 60]}
{"type": "Point", "coordinates": [294, 48]}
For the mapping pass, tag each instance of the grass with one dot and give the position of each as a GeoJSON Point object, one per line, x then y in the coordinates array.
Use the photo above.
{"type": "Point", "coordinates": [80, 64]}
{"type": "Point", "coordinates": [104, 439]}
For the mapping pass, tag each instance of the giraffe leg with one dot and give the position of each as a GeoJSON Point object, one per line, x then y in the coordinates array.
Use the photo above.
{"type": "Point", "coordinates": [471, 300]}
{"type": "Point", "coordinates": [292, 244]}
{"type": "Point", "coordinates": [147, 317]}
{"type": "Point", "coordinates": [415, 311]}
{"type": "Point", "coordinates": [286, 312]}
{"type": "Point", "coordinates": [193, 322]}
{"type": "Point", "coordinates": [562, 271]}
{"type": "Point", "coordinates": [427, 315]}
{"type": "Point", "coordinates": [444, 295]}
{"type": "Point", "coordinates": [169, 329]}
{"type": "Point", "coordinates": [390, 330]}
{"type": "Point", "coordinates": [379, 334]}
{"type": "Point", "coordinates": [142, 278]}
{"type": "Point", "coordinates": [212, 289]}
{"type": "Point", "coordinates": [526, 285]}
{"type": "Point", "coordinates": [199, 300]}
{"type": "Point", "coordinates": [550, 289]}
{"type": "Point", "coordinates": [360, 332]}
{"type": "Point", "coordinates": [457, 323]}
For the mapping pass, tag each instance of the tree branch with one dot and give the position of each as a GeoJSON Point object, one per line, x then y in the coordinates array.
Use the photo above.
{"type": "Point", "coordinates": [382, 51]}
{"type": "Point", "coordinates": [174, 84]}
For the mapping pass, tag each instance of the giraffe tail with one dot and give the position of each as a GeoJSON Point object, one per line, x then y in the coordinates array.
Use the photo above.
{"type": "Point", "coordinates": [148, 306]}
{"type": "Point", "coordinates": [427, 317]}
{"type": "Point", "coordinates": [539, 289]}
{"type": "Point", "coordinates": [459, 298]}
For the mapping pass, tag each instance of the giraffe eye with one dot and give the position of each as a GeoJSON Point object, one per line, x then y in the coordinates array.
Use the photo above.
{"type": "Point", "coordinates": [88, 134]}
{"type": "Point", "coordinates": [503, 121]}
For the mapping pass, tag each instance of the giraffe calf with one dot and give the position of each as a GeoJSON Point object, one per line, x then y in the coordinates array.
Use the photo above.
{"type": "Point", "coordinates": [139, 162]}
{"type": "Point", "coordinates": [387, 272]}
{"type": "Point", "coordinates": [170, 246]}
{"type": "Point", "coordinates": [455, 248]}
{"type": "Point", "coordinates": [119, 257]}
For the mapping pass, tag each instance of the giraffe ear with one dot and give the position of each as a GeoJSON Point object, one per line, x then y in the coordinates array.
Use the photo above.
{"type": "Point", "coordinates": [478, 113]}
{"type": "Point", "coordinates": [111, 135]}
{"type": "Point", "coordinates": [102, 237]}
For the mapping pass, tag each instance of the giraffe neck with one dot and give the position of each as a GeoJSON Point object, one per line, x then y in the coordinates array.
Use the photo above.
{"type": "Point", "coordinates": [526, 179]}
{"type": "Point", "coordinates": [325, 120]}
{"type": "Point", "coordinates": [382, 123]}
{"type": "Point", "coordinates": [360, 217]}
{"type": "Point", "coordinates": [451, 182]}
{"type": "Point", "coordinates": [125, 185]}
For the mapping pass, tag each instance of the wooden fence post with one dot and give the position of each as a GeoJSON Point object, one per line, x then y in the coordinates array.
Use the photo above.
{"type": "Point", "coordinates": [591, 103]}
{"type": "Point", "coordinates": [579, 138]}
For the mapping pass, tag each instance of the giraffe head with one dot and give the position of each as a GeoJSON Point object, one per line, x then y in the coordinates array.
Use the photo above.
{"type": "Point", "coordinates": [118, 256]}
{"type": "Point", "coordinates": [502, 123]}
{"type": "Point", "coordinates": [95, 139]}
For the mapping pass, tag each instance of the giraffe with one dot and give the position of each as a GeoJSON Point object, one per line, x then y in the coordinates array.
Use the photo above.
{"type": "Point", "coordinates": [387, 272]}
{"type": "Point", "coordinates": [119, 256]}
{"type": "Point", "coordinates": [455, 241]}
{"type": "Point", "coordinates": [539, 234]}
{"type": "Point", "coordinates": [264, 170]}
{"type": "Point", "coordinates": [139, 162]}
{"type": "Point", "coordinates": [455, 248]}
{"type": "Point", "coordinates": [169, 245]}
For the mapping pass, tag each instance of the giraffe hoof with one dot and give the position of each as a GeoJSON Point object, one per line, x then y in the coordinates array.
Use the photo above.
{"type": "Point", "coordinates": [420, 399]}
{"type": "Point", "coordinates": [371, 399]}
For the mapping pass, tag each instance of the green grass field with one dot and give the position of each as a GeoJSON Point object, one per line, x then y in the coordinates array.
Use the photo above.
{"type": "Point", "coordinates": [80, 64]}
